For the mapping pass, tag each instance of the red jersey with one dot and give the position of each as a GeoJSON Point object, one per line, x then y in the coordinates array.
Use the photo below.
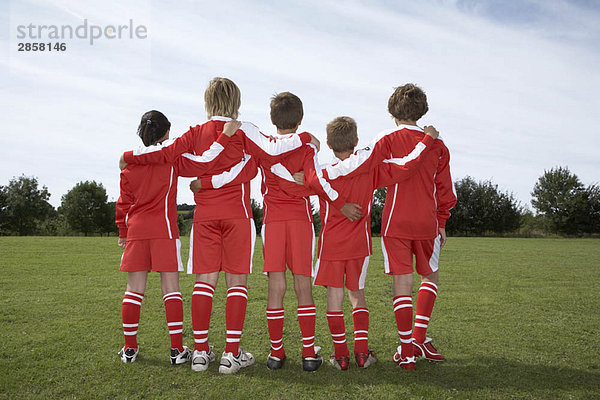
{"type": "Point", "coordinates": [417, 207]}
{"type": "Point", "coordinates": [228, 201]}
{"type": "Point", "coordinates": [340, 238]}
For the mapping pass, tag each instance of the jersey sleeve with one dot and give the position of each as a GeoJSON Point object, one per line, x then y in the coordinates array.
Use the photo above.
{"type": "Point", "coordinates": [169, 150]}
{"type": "Point", "coordinates": [315, 181]}
{"type": "Point", "coordinates": [242, 172]}
{"type": "Point", "coordinates": [288, 184]}
{"type": "Point", "coordinates": [124, 203]}
{"type": "Point", "coordinates": [394, 170]}
{"type": "Point", "coordinates": [191, 165]}
{"type": "Point", "coordinates": [363, 160]}
{"type": "Point", "coordinates": [260, 145]}
{"type": "Point", "coordinates": [444, 189]}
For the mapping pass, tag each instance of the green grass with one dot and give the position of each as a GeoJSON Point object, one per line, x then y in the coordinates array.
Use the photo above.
{"type": "Point", "coordinates": [516, 318]}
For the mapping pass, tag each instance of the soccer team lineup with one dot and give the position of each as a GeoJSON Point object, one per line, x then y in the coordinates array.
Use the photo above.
{"type": "Point", "coordinates": [224, 155]}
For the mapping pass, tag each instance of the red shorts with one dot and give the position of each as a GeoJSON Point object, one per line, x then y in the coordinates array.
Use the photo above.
{"type": "Point", "coordinates": [222, 245]}
{"type": "Point", "coordinates": [290, 243]}
{"type": "Point", "coordinates": [398, 255]}
{"type": "Point", "coordinates": [331, 273]}
{"type": "Point", "coordinates": [160, 255]}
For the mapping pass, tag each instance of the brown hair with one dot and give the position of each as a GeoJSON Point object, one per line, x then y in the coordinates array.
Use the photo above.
{"type": "Point", "coordinates": [408, 102]}
{"type": "Point", "coordinates": [286, 110]}
{"type": "Point", "coordinates": [342, 134]}
{"type": "Point", "coordinates": [153, 127]}
{"type": "Point", "coordinates": [222, 97]}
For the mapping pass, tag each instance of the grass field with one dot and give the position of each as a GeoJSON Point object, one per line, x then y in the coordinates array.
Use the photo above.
{"type": "Point", "coordinates": [516, 318]}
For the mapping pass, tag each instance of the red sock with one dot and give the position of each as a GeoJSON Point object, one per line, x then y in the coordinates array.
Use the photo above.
{"type": "Point", "coordinates": [306, 318]}
{"type": "Point", "coordinates": [202, 298]}
{"type": "Point", "coordinates": [425, 301]}
{"type": "Point", "coordinates": [403, 309]}
{"type": "Point", "coordinates": [360, 318]}
{"type": "Point", "coordinates": [235, 313]}
{"type": "Point", "coordinates": [130, 313]}
{"type": "Point", "coordinates": [275, 324]}
{"type": "Point", "coordinates": [338, 332]}
{"type": "Point", "coordinates": [174, 311]}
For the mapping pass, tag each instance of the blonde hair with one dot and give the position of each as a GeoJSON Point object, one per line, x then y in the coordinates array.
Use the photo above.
{"type": "Point", "coordinates": [222, 97]}
{"type": "Point", "coordinates": [342, 134]}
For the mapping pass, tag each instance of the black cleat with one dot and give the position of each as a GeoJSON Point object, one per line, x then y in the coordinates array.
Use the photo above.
{"type": "Point", "coordinates": [312, 364]}
{"type": "Point", "coordinates": [275, 362]}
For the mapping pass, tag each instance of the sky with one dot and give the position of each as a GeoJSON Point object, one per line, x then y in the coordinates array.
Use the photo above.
{"type": "Point", "coordinates": [512, 86]}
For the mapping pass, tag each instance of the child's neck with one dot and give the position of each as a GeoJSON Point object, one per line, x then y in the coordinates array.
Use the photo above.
{"type": "Point", "coordinates": [343, 155]}
{"type": "Point", "coordinates": [405, 122]}
{"type": "Point", "coordinates": [286, 131]}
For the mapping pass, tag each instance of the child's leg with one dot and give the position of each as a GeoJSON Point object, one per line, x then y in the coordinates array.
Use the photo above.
{"type": "Point", "coordinates": [202, 298]}
{"type": "Point", "coordinates": [275, 314]}
{"type": "Point", "coordinates": [132, 303]}
{"type": "Point", "coordinates": [425, 302]}
{"type": "Point", "coordinates": [235, 310]}
{"type": "Point", "coordinates": [306, 313]}
{"type": "Point", "coordinates": [173, 307]}
{"type": "Point", "coordinates": [360, 318]}
{"type": "Point", "coordinates": [403, 310]}
{"type": "Point", "coordinates": [335, 318]}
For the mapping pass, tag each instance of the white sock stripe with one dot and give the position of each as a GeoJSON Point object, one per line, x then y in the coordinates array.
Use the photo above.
{"type": "Point", "coordinates": [335, 315]}
{"type": "Point", "coordinates": [406, 341]}
{"type": "Point", "coordinates": [130, 325]}
{"type": "Point", "coordinates": [207, 294]}
{"type": "Point", "coordinates": [339, 341]}
{"type": "Point", "coordinates": [131, 333]}
{"type": "Point", "coordinates": [201, 332]}
{"type": "Point", "coordinates": [306, 315]}
{"type": "Point", "coordinates": [240, 294]}
{"type": "Point", "coordinates": [309, 308]}
{"type": "Point", "coordinates": [132, 302]}
{"type": "Point", "coordinates": [176, 331]}
{"type": "Point", "coordinates": [406, 298]}
{"type": "Point", "coordinates": [405, 333]}
{"type": "Point", "coordinates": [232, 340]}
{"type": "Point", "coordinates": [234, 332]}
{"type": "Point", "coordinates": [422, 317]}
{"type": "Point", "coordinates": [275, 311]}
{"type": "Point", "coordinates": [172, 294]}
{"type": "Point", "coordinates": [174, 323]}
{"type": "Point", "coordinates": [139, 296]}
{"type": "Point", "coordinates": [204, 286]}
{"type": "Point", "coordinates": [201, 340]}
{"type": "Point", "coordinates": [277, 348]}
{"type": "Point", "coordinates": [361, 331]}
{"type": "Point", "coordinates": [309, 345]}
{"type": "Point", "coordinates": [176, 298]}
{"type": "Point", "coordinates": [361, 338]}
{"type": "Point", "coordinates": [429, 283]}
{"type": "Point", "coordinates": [339, 334]}
{"type": "Point", "coordinates": [420, 325]}
{"type": "Point", "coordinates": [402, 306]}
{"type": "Point", "coordinates": [360, 310]}
{"type": "Point", "coordinates": [238, 288]}
{"type": "Point", "coordinates": [308, 338]}
{"type": "Point", "coordinates": [277, 341]}
{"type": "Point", "coordinates": [428, 288]}
{"type": "Point", "coordinates": [281, 317]}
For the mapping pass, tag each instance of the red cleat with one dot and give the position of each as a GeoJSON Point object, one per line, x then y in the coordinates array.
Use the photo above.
{"type": "Point", "coordinates": [405, 363]}
{"type": "Point", "coordinates": [427, 351]}
{"type": "Point", "coordinates": [341, 363]}
{"type": "Point", "coordinates": [363, 360]}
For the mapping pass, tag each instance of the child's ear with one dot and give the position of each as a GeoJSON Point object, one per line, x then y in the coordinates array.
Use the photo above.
{"type": "Point", "coordinates": [328, 145]}
{"type": "Point", "coordinates": [356, 142]}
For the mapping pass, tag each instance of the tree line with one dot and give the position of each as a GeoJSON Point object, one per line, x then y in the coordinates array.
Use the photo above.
{"type": "Point", "coordinates": [562, 204]}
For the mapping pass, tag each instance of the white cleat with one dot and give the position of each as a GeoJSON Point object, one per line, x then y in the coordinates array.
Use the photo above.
{"type": "Point", "coordinates": [231, 364]}
{"type": "Point", "coordinates": [178, 357]}
{"type": "Point", "coordinates": [201, 359]}
{"type": "Point", "coordinates": [128, 355]}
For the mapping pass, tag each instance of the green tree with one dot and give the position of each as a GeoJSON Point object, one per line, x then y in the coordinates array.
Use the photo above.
{"type": "Point", "coordinates": [377, 210]}
{"type": "Point", "coordinates": [23, 206]}
{"type": "Point", "coordinates": [257, 215]}
{"type": "Point", "coordinates": [86, 209]}
{"type": "Point", "coordinates": [483, 209]}
{"type": "Point", "coordinates": [563, 201]}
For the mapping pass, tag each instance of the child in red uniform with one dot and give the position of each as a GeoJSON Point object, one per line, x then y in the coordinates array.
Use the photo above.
{"type": "Point", "coordinates": [147, 222]}
{"type": "Point", "coordinates": [345, 246]}
{"type": "Point", "coordinates": [223, 233]}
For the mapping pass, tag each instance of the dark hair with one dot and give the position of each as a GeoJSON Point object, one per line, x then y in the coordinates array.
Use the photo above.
{"type": "Point", "coordinates": [408, 102]}
{"type": "Point", "coordinates": [342, 134]}
{"type": "Point", "coordinates": [286, 110]}
{"type": "Point", "coordinates": [153, 127]}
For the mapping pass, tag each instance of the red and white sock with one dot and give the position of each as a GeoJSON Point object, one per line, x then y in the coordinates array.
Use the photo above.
{"type": "Point", "coordinates": [275, 318]}
{"type": "Point", "coordinates": [202, 298]}
{"type": "Point", "coordinates": [174, 312]}
{"type": "Point", "coordinates": [425, 301]}
{"type": "Point", "coordinates": [360, 318]}
{"type": "Point", "coordinates": [235, 313]}
{"type": "Point", "coordinates": [335, 319]}
{"type": "Point", "coordinates": [403, 310]}
{"type": "Point", "coordinates": [130, 313]}
{"type": "Point", "coordinates": [307, 315]}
